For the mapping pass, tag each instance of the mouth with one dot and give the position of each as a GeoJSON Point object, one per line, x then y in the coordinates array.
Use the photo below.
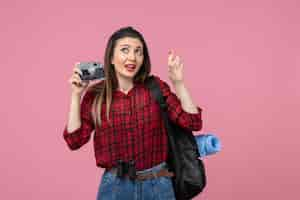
{"type": "Point", "coordinates": [130, 67]}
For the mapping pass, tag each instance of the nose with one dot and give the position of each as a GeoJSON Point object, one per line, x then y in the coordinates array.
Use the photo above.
{"type": "Point", "coordinates": [131, 56]}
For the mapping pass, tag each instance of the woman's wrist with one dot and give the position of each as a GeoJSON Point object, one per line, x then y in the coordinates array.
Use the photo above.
{"type": "Point", "coordinates": [75, 96]}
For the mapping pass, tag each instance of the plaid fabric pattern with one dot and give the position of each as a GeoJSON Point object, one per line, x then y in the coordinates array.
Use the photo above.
{"type": "Point", "coordinates": [136, 131]}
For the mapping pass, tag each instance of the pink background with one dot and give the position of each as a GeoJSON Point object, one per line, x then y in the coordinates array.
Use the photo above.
{"type": "Point", "coordinates": [241, 66]}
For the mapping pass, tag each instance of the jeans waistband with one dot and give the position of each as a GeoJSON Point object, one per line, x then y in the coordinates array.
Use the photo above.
{"type": "Point", "coordinates": [155, 168]}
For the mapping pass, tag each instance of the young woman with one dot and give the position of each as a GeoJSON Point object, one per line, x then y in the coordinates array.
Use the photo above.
{"type": "Point", "coordinates": [130, 140]}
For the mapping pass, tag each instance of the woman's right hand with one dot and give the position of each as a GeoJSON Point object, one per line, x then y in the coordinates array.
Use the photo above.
{"type": "Point", "coordinates": [77, 85]}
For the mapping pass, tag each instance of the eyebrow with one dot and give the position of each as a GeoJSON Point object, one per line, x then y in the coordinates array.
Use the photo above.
{"type": "Point", "coordinates": [129, 45]}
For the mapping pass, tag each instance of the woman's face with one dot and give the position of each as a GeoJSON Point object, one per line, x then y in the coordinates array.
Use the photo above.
{"type": "Point", "coordinates": [128, 57]}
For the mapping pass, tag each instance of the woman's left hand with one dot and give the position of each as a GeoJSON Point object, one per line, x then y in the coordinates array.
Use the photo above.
{"type": "Point", "coordinates": [175, 70]}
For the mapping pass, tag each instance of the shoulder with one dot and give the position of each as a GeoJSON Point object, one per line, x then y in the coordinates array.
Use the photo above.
{"type": "Point", "coordinates": [157, 79]}
{"type": "Point", "coordinates": [163, 85]}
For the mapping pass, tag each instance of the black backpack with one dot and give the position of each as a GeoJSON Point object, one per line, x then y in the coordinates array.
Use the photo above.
{"type": "Point", "coordinates": [183, 155]}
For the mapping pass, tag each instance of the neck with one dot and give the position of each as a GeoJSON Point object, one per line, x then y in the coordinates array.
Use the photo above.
{"type": "Point", "coordinates": [125, 84]}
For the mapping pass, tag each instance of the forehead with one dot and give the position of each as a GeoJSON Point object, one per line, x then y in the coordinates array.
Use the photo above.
{"type": "Point", "coordinates": [128, 41]}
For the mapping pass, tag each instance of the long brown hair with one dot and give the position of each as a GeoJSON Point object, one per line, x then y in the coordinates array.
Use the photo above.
{"type": "Point", "coordinates": [107, 86]}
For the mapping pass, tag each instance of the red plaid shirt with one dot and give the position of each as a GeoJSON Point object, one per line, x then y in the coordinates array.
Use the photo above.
{"type": "Point", "coordinates": [136, 132]}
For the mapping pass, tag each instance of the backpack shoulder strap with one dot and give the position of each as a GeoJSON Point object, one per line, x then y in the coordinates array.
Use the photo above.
{"type": "Point", "coordinates": [156, 92]}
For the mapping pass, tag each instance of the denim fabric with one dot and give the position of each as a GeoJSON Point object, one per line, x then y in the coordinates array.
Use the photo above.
{"type": "Point", "coordinates": [115, 188]}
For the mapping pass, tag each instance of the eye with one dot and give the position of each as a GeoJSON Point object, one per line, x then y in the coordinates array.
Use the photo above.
{"type": "Point", "coordinates": [125, 50]}
{"type": "Point", "coordinates": [139, 51]}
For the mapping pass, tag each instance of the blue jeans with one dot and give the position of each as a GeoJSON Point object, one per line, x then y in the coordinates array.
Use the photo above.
{"type": "Point", "coordinates": [115, 188]}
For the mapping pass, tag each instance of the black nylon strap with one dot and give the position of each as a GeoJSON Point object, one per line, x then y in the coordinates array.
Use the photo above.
{"type": "Point", "coordinates": [156, 93]}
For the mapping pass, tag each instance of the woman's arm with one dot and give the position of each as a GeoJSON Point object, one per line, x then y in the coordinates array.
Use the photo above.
{"type": "Point", "coordinates": [176, 113]}
{"type": "Point", "coordinates": [175, 70]}
{"type": "Point", "coordinates": [185, 98]}
{"type": "Point", "coordinates": [74, 114]}
{"type": "Point", "coordinates": [181, 108]}
{"type": "Point", "coordinates": [80, 124]}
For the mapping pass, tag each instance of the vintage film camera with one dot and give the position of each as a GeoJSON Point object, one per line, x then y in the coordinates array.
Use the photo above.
{"type": "Point", "coordinates": [91, 71]}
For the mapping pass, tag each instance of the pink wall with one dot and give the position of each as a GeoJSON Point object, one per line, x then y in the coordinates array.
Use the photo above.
{"type": "Point", "coordinates": [241, 66]}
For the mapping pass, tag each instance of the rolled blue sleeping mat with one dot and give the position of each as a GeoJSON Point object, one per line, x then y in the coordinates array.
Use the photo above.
{"type": "Point", "coordinates": [208, 144]}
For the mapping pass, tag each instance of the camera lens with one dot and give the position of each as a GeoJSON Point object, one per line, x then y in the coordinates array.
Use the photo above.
{"type": "Point", "coordinates": [85, 72]}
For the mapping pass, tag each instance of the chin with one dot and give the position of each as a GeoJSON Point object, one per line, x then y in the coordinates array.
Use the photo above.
{"type": "Point", "coordinates": [131, 76]}
{"type": "Point", "coordinates": [128, 74]}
